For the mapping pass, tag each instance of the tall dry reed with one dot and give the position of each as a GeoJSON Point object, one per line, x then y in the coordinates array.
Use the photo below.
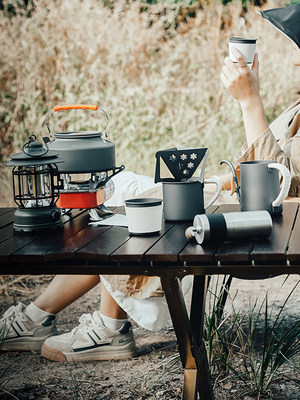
{"type": "Point", "coordinates": [159, 85]}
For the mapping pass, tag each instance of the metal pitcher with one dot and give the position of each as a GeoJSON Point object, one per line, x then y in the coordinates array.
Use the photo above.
{"type": "Point", "coordinates": [259, 187]}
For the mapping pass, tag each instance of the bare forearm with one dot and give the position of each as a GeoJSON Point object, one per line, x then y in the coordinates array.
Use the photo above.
{"type": "Point", "coordinates": [243, 83]}
{"type": "Point", "coordinates": [254, 117]}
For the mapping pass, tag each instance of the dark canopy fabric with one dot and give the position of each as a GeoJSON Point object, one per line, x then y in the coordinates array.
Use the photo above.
{"type": "Point", "coordinates": [286, 19]}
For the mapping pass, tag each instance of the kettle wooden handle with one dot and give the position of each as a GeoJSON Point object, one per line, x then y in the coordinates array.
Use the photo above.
{"type": "Point", "coordinates": [76, 107]}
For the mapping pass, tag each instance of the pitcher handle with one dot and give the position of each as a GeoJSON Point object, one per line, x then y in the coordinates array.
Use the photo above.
{"type": "Point", "coordinates": [217, 181]}
{"type": "Point", "coordinates": [286, 182]}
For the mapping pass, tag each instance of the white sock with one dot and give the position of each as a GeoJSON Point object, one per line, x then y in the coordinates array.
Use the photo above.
{"type": "Point", "coordinates": [35, 314]}
{"type": "Point", "coordinates": [112, 323]}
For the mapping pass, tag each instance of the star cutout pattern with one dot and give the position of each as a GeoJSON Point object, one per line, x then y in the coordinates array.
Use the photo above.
{"type": "Point", "coordinates": [182, 163]}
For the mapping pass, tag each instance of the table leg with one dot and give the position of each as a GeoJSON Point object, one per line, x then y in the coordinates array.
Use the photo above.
{"type": "Point", "coordinates": [189, 391]}
{"type": "Point", "coordinates": [189, 335]}
{"type": "Point", "coordinates": [197, 323]}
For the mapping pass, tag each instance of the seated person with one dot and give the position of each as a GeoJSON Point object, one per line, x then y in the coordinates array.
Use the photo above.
{"type": "Point", "coordinates": [107, 334]}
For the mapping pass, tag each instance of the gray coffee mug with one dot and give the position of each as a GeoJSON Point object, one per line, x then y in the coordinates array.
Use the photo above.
{"type": "Point", "coordinates": [260, 185]}
{"type": "Point", "coordinates": [183, 200]}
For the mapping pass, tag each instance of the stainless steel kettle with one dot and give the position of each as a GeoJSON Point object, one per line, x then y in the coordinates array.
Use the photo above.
{"type": "Point", "coordinates": [89, 163]}
{"type": "Point", "coordinates": [82, 151]}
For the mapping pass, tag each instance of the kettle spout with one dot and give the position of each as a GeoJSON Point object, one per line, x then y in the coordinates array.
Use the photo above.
{"type": "Point", "coordinates": [235, 180]}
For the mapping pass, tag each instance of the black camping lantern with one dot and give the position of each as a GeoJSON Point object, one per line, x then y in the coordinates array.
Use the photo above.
{"type": "Point", "coordinates": [36, 184]}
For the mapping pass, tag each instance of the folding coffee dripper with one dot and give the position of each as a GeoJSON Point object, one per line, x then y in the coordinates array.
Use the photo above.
{"type": "Point", "coordinates": [183, 193]}
{"type": "Point", "coordinates": [181, 162]}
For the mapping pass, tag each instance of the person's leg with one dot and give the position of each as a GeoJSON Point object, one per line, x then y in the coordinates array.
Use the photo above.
{"type": "Point", "coordinates": [64, 290]}
{"type": "Point", "coordinates": [103, 335]}
{"type": "Point", "coordinates": [109, 307]}
{"type": "Point", "coordinates": [26, 327]}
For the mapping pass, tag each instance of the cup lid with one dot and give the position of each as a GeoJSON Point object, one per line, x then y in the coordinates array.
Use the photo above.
{"type": "Point", "coordinates": [234, 39]}
{"type": "Point", "coordinates": [143, 202]}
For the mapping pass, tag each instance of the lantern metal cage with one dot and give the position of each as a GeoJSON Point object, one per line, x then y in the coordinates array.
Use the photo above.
{"type": "Point", "coordinates": [36, 185]}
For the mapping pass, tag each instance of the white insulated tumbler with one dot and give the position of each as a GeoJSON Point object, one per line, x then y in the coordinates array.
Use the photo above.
{"type": "Point", "coordinates": [144, 215]}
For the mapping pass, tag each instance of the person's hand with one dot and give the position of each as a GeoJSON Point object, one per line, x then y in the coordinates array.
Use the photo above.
{"type": "Point", "coordinates": [241, 81]}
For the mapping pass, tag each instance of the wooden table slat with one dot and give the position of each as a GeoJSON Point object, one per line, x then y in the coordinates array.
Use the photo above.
{"type": "Point", "coordinates": [6, 210]}
{"type": "Point", "coordinates": [198, 254]}
{"type": "Point", "coordinates": [7, 218]}
{"type": "Point", "coordinates": [69, 248]}
{"type": "Point", "coordinates": [103, 246]}
{"type": "Point", "coordinates": [6, 232]}
{"type": "Point", "coordinates": [133, 250]}
{"type": "Point", "coordinates": [234, 252]}
{"type": "Point", "coordinates": [12, 244]}
{"type": "Point", "coordinates": [274, 249]}
{"type": "Point", "coordinates": [43, 242]}
{"type": "Point", "coordinates": [168, 248]}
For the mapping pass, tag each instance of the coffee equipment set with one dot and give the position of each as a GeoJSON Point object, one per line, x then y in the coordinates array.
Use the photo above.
{"type": "Point", "coordinates": [71, 170]}
{"type": "Point", "coordinates": [74, 170]}
{"type": "Point", "coordinates": [258, 193]}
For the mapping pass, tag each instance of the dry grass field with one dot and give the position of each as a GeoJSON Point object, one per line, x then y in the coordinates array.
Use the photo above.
{"type": "Point", "coordinates": [157, 78]}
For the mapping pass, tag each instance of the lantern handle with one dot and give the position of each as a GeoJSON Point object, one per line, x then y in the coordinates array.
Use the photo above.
{"type": "Point", "coordinates": [32, 138]}
{"type": "Point", "coordinates": [75, 107]}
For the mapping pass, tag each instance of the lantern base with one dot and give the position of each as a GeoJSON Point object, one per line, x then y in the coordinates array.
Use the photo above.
{"type": "Point", "coordinates": [30, 220]}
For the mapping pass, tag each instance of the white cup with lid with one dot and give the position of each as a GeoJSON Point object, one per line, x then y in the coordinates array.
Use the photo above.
{"type": "Point", "coordinates": [246, 46]}
{"type": "Point", "coordinates": [144, 215]}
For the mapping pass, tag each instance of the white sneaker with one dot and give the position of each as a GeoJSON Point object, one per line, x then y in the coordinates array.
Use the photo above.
{"type": "Point", "coordinates": [90, 341]}
{"type": "Point", "coordinates": [19, 332]}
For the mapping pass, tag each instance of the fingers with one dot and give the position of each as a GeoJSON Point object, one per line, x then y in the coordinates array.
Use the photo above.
{"type": "Point", "coordinates": [226, 82]}
{"type": "Point", "coordinates": [239, 57]}
{"type": "Point", "coordinates": [232, 73]}
{"type": "Point", "coordinates": [255, 64]}
{"type": "Point", "coordinates": [229, 69]}
{"type": "Point", "coordinates": [229, 72]}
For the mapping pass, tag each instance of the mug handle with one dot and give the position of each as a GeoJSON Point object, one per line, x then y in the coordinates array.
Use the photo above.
{"type": "Point", "coordinates": [286, 182]}
{"type": "Point", "coordinates": [217, 181]}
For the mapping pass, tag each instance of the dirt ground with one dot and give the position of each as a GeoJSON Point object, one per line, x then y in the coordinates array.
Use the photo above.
{"type": "Point", "coordinates": [156, 372]}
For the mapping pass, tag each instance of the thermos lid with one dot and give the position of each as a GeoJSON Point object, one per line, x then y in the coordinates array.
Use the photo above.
{"type": "Point", "coordinates": [143, 202]}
